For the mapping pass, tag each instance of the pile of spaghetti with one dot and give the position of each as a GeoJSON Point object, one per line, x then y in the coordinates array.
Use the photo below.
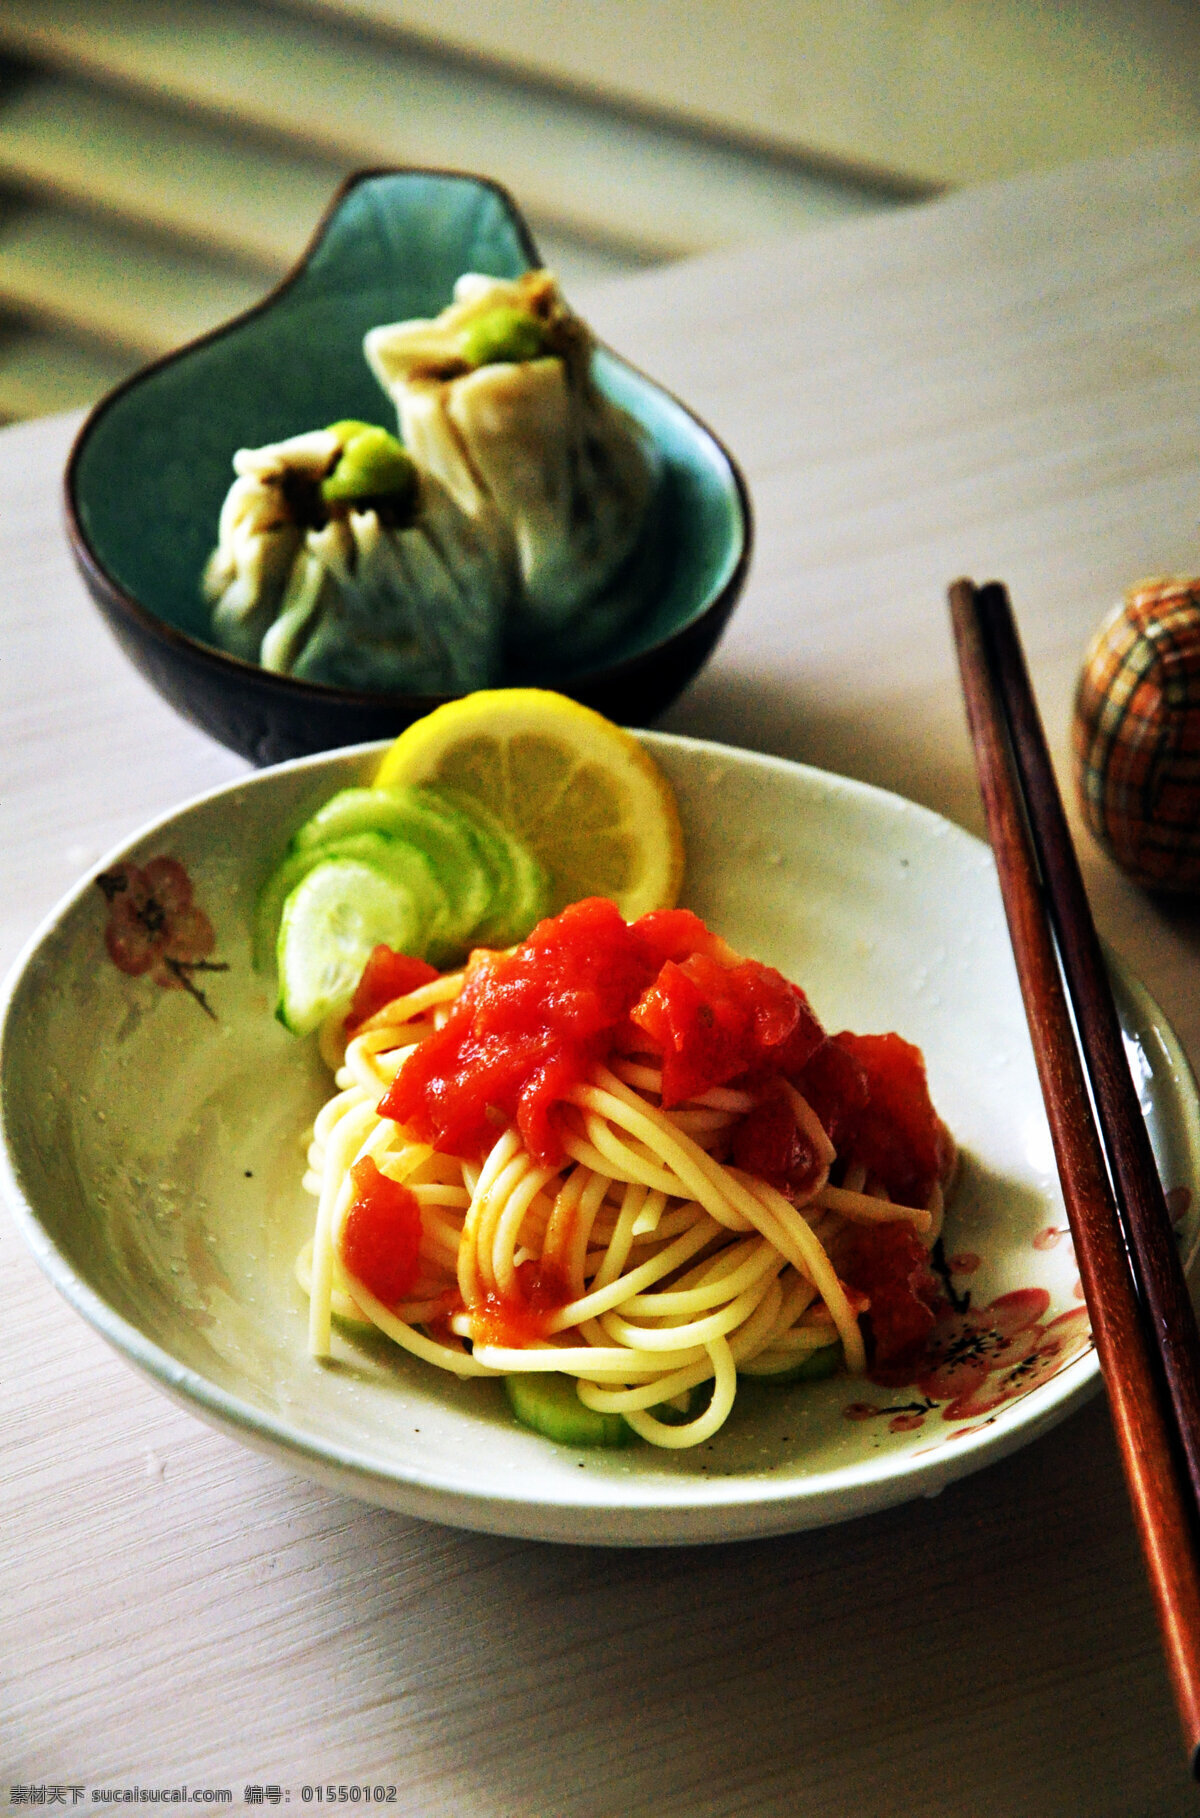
{"type": "Point", "coordinates": [624, 1153]}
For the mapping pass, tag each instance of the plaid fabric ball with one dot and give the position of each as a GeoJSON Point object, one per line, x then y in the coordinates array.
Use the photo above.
{"type": "Point", "coordinates": [1137, 734]}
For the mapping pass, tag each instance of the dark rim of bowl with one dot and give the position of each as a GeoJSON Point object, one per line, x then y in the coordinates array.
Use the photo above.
{"type": "Point", "coordinates": [101, 582]}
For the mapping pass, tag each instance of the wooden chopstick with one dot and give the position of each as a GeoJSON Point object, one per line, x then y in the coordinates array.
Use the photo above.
{"type": "Point", "coordinates": [1142, 1321]}
{"type": "Point", "coordinates": [1141, 1203]}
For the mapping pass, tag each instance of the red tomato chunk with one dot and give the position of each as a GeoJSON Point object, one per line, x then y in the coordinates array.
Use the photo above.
{"type": "Point", "coordinates": [768, 1143]}
{"type": "Point", "coordinates": [382, 1234]}
{"type": "Point", "coordinates": [713, 1023]}
{"type": "Point", "coordinates": [386, 976]}
{"type": "Point", "coordinates": [521, 1318]}
{"type": "Point", "coordinates": [897, 1134]}
{"type": "Point", "coordinates": [835, 1085]}
{"type": "Point", "coordinates": [890, 1265]}
{"type": "Point", "coordinates": [531, 1025]}
{"type": "Point", "coordinates": [527, 1027]}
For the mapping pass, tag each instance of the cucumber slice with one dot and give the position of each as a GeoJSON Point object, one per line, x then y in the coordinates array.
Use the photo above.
{"type": "Point", "coordinates": [548, 1403]}
{"type": "Point", "coordinates": [814, 1368]}
{"type": "Point", "coordinates": [420, 818]}
{"type": "Point", "coordinates": [331, 923]}
{"type": "Point", "coordinates": [494, 859]}
{"type": "Point", "coordinates": [407, 864]}
{"type": "Point", "coordinates": [396, 811]}
{"type": "Point", "coordinates": [268, 908]}
{"type": "Point", "coordinates": [463, 878]}
{"type": "Point", "coordinates": [686, 1407]}
{"type": "Point", "coordinates": [521, 888]}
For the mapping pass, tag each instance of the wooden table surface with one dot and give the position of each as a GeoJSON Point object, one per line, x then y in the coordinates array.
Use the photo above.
{"type": "Point", "coordinates": [1003, 384]}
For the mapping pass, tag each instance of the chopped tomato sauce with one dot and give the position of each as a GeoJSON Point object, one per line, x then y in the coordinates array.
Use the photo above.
{"type": "Point", "coordinates": [713, 1022]}
{"type": "Point", "coordinates": [514, 1320]}
{"type": "Point", "coordinates": [768, 1143]}
{"type": "Point", "coordinates": [382, 1234]}
{"type": "Point", "coordinates": [897, 1134]}
{"type": "Point", "coordinates": [387, 975]}
{"type": "Point", "coordinates": [526, 1028]}
{"type": "Point", "coordinates": [890, 1265]}
{"type": "Point", "coordinates": [531, 1025]}
{"type": "Point", "coordinates": [449, 1302]}
{"type": "Point", "coordinates": [835, 1085]}
{"type": "Point", "coordinates": [675, 934]}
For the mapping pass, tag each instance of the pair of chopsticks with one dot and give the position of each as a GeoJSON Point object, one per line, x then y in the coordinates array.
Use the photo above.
{"type": "Point", "coordinates": [1142, 1320]}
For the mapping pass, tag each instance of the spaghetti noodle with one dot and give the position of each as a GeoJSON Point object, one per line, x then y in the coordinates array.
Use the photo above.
{"type": "Point", "coordinates": [646, 1244]}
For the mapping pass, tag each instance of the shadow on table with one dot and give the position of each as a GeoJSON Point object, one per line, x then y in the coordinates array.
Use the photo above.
{"type": "Point", "coordinates": [988, 1652]}
{"type": "Point", "coordinates": [915, 747]}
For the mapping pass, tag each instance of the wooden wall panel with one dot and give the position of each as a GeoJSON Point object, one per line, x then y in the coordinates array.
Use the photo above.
{"type": "Point", "coordinates": [939, 91]}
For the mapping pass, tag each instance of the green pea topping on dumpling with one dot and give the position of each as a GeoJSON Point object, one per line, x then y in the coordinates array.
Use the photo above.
{"type": "Point", "coordinates": [372, 465]}
{"type": "Point", "coordinates": [503, 336]}
{"type": "Point", "coordinates": [346, 427]}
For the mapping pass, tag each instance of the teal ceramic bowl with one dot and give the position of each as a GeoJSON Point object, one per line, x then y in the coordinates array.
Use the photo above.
{"type": "Point", "coordinates": [151, 466]}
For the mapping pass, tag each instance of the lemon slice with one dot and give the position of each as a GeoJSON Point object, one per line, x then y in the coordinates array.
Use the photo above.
{"type": "Point", "coordinates": [579, 792]}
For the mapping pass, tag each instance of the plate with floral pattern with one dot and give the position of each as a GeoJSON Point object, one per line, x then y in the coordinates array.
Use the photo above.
{"type": "Point", "coordinates": [154, 1113]}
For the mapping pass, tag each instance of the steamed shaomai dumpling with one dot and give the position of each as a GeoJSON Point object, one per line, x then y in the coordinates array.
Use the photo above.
{"type": "Point", "coordinates": [496, 397]}
{"type": "Point", "coordinates": [337, 562]}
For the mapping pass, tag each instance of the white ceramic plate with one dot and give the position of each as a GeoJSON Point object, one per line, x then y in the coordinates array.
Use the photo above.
{"type": "Point", "coordinates": [153, 1158]}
